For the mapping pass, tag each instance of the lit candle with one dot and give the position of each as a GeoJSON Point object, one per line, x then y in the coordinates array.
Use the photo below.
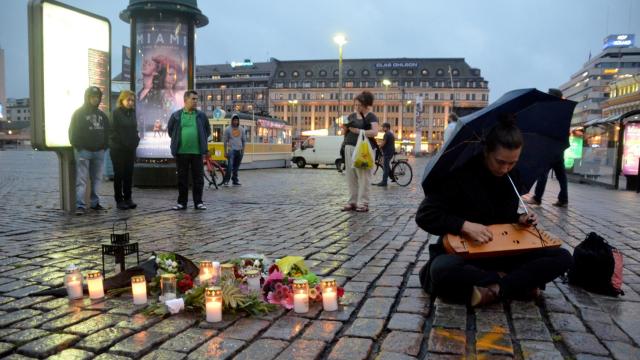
{"type": "Point", "coordinates": [73, 282]}
{"type": "Point", "coordinates": [206, 273]}
{"type": "Point", "coordinates": [213, 303]}
{"type": "Point", "coordinates": [300, 296]}
{"type": "Point", "coordinates": [329, 294]}
{"type": "Point", "coordinates": [227, 271]}
{"type": "Point", "coordinates": [94, 282]}
{"type": "Point", "coordinates": [139, 289]}
{"type": "Point", "coordinates": [168, 286]}
{"type": "Point", "coordinates": [253, 279]}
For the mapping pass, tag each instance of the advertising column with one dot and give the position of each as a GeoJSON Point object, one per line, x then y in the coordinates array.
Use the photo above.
{"type": "Point", "coordinates": [162, 69]}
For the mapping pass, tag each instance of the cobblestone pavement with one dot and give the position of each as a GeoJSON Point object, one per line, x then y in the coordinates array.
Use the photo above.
{"type": "Point", "coordinates": [375, 255]}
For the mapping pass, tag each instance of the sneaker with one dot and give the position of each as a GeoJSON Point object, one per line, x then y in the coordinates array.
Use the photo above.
{"type": "Point", "coordinates": [80, 211]}
{"type": "Point", "coordinates": [226, 183]}
{"type": "Point", "coordinates": [380, 184]}
{"type": "Point", "coordinates": [98, 207]}
{"type": "Point", "coordinates": [131, 204]}
{"type": "Point", "coordinates": [532, 201]}
{"type": "Point", "coordinates": [560, 203]}
{"type": "Point", "coordinates": [179, 207]}
{"type": "Point", "coordinates": [201, 206]}
{"type": "Point", "coordinates": [121, 205]}
{"type": "Point", "coordinates": [235, 183]}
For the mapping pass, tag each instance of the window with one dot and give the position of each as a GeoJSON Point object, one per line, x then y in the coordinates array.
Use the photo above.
{"type": "Point", "coordinates": [322, 73]}
{"type": "Point", "coordinates": [295, 74]}
{"type": "Point", "coordinates": [424, 72]}
{"type": "Point", "coordinates": [394, 72]}
{"type": "Point", "coordinates": [455, 72]}
{"type": "Point", "coordinates": [439, 72]}
{"type": "Point", "coordinates": [365, 72]}
{"type": "Point", "coordinates": [380, 72]}
{"type": "Point", "coordinates": [308, 73]}
{"type": "Point", "coordinates": [282, 74]}
{"type": "Point", "coordinates": [410, 72]}
{"type": "Point", "coordinates": [351, 72]}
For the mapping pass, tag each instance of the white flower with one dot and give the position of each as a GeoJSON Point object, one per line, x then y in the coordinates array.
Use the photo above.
{"type": "Point", "coordinates": [257, 263]}
{"type": "Point", "coordinates": [174, 264]}
{"type": "Point", "coordinates": [157, 260]}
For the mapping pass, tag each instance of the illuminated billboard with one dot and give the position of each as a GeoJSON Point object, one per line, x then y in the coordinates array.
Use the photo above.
{"type": "Point", "coordinates": [69, 50]}
{"type": "Point", "coordinates": [574, 151]}
{"type": "Point", "coordinates": [161, 69]}
{"type": "Point", "coordinates": [631, 149]}
{"type": "Point", "coordinates": [619, 40]}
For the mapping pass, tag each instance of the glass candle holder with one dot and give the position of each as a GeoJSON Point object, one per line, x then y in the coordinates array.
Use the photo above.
{"type": "Point", "coordinates": [213, 303]}
{"type": "Point", "coordinates": [227, 271]}
{"type": "Point", "coordinates": [216, 271]}
{"type": "Point", "coordinates": [73, 282]}
{"type": "Point", "coordinates": [168, 286]}
{"type": "Point", "coordinates": [206, 273]}
{"type": "Point", "coordinates": [300, 296]}
{"type": "Point", "coordinates": [253, 279]}
{"type": "Point", "coordinates": [329, 289]}
{"type": "Point", "coordinates": [139, 289]}
{"type": "Point", "coordinates": [94, 282]}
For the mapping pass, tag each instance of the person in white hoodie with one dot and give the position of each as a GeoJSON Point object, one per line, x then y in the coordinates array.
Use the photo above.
{"type": "Point", "coordinates": [453, 121]}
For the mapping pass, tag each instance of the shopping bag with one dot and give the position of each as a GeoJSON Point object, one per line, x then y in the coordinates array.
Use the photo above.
{"type": "Point", "coordinates": [363, 155]}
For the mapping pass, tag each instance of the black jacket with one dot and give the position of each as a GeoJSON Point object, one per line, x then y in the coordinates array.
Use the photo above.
{"type": "Point", "coordinates": [89, 129]}
{"type": "Point", "coordinates": [472, 193]}
{"type": "Point", "coordinates": [123, 131]}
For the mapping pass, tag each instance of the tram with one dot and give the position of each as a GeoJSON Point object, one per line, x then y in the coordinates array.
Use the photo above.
{"type": "Point", "coordinates": [268, 140]}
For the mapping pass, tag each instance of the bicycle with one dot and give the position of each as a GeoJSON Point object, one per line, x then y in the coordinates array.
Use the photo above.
{"type": "Point", "coordinates": [401, 172]}
{"type": "Point", "coordinates": [213, 171]}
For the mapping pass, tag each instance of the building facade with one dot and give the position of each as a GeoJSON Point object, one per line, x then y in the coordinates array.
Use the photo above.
{"type": "Point", "coordinates": [590, 86]}
{"type": "Point", "coordinates": [306, 92]}
{"type": "Point", "coordinates": [624, 96]}
{"type": "Point", "coordinates": [18, 110]}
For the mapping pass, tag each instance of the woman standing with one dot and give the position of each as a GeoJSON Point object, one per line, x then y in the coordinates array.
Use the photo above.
{"type": "Point", "coordinates": [359, 179]}
{"type": "Point", "coordinates": [123, 141]}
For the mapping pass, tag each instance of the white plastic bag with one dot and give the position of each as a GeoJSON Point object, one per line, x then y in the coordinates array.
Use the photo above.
{"type": "Point", "coordinates": [363, 154]}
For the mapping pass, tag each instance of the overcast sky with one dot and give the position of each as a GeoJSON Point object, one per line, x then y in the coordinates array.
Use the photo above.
{"type": "Point", "coordinates": [516, 43]}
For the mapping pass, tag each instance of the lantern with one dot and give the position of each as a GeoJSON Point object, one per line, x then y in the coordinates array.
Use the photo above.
{"type": "Point", "coordinates": [300, 296]}
{"type": "Point", "coordinates": [73, 282]}
{"type": "Point", "coordinates": [213, 303]}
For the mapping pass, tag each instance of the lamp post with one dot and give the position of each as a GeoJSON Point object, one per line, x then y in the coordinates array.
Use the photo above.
{"type": "Point", "coordinates": [292, 104]}
{"type": "Point", "coordinates": [386, 84]}
{"type": "Point", "coordinates": [339, 39]}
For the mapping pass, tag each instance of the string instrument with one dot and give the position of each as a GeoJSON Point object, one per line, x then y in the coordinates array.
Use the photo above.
{"type": "Point", "coordinates": [508, 239]}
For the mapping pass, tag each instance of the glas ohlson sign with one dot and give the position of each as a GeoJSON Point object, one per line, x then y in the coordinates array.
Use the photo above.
{"type": "Point", "coordinates": [619, 40]}
{"type": "Point", "coordinates": [69, 51]}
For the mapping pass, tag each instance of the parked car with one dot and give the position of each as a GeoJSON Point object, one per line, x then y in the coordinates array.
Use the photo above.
{"type": "Point", "coordinates": [319, 150]}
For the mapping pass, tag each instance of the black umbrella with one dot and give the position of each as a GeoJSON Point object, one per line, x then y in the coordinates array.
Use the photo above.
{"type": "Point", "coordinates": [543, 119]}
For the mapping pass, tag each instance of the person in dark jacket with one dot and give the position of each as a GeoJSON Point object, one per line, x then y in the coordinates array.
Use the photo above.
{"type": "Point", "coordinates": [189, 130]}
{"type": "Point", "coordinates": [88, 134]}
{"type": "Point", "coordinates": [123, 141]}
{"type": "Point", "coordinates": [474, 196]}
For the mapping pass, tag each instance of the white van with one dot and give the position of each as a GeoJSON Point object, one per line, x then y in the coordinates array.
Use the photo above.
{"type": "Point", "coordinates": [318, 150]}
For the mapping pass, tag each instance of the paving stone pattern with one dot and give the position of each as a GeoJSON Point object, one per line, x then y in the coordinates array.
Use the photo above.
{"type": "Point", "coordinates": [376, 256]}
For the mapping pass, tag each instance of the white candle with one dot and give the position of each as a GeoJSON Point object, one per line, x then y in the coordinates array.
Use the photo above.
{"type": "Point", "coordinates": [329, 300]}
{"type": "Point", "coordinates": [94, 282]}
{"type": "Point", "coordinates": [139, 289]}
{"type": "Point", "coordinates": [214, 311]}
{"type": "Point", "coordinates": [206, 273]}
{"type": "Point", "coordinates": [301, 303]}
{"type": "Point", "coordinates": [74, 289]}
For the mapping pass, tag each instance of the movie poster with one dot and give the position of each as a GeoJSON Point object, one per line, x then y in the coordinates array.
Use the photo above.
{"type": "Point", "coordinates": [161, 80]}
{"type": "Point", "coordinates": [631, 149]}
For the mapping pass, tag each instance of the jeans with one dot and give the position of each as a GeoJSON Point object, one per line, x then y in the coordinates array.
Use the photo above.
{"type": "Point", "coordinates": [561, 174]}
{"type": "Point", "coordinates": [190, 163]}
{"type": "Point", "coordinates": [454, 277]}
{"type": "Point", "coordinates": [386, 168]}
{"type": "Point", "coordinates": [88, 168]}
{"type": "Point", "coordinates": [122, 173]}
{"type": "Point", "coordinates": [233, 164]}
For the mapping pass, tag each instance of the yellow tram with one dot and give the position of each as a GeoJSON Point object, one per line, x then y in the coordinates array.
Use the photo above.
{"type": "Point", "coordinates": [268, 140]}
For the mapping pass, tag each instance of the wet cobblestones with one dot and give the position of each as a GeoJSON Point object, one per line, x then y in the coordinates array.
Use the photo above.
{"type": "Point", "coordinates": [375, 255]}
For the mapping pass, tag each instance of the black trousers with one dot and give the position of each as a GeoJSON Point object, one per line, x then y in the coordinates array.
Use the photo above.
{"type": "Point", "coordinates": [188, 163]}
{"type": "Point", "coordinates": [454, 277]}
{"type": "Point", "coordinates": [122, 161]}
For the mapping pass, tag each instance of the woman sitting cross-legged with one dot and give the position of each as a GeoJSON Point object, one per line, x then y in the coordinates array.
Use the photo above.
{"type": "Point", "coordinates": [476, 195]}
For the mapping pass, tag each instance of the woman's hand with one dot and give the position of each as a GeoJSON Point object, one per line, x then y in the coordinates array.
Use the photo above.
{"type": "Point", "coordinates": [527, 220]}
{"type": "Point", "coordinates": [477, 232]}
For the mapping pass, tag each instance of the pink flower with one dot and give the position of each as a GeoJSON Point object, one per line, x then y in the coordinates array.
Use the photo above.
{"type": "Point", "coordinates": [274, 277]}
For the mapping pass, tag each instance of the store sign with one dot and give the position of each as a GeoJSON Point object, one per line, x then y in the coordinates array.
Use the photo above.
{"type": "Point", "coordinates": [70, 49]}
{"type": "Point", "coordinates": [246, 63]}
{"type": "Point", "coordinates": [270, 124]}
{"type": "Point", "coordinates": [631, 149]}
{"type": "Point", "coordinates": [619, 40]}
{"type": "Point", "coordinates": [396, 65]}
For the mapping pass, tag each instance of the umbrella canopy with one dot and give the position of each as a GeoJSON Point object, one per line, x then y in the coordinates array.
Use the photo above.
{"type": "Point", "coordinates": [543, 119]}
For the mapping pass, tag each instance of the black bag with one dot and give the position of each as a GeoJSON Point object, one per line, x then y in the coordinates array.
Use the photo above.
{"type": "Point", "coordinates": [597, 266]}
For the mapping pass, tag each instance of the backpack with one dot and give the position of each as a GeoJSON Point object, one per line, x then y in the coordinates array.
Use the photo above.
{"type": "Point", "coordinates": [597, 266]}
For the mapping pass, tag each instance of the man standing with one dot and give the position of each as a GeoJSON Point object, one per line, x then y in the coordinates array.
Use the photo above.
{"type": "Point", "coordinates": [234, 140]}
{"type": "Point", "coordinates": [558, 168]}
{"type": "Point", "coordinates": [453, 122]}
{"type": "Point", "coordinates": [189, 129]}
{"type": "Point", "coordinates": [388, 147]}
{"type": "Point", "coordinates": [89, 136]}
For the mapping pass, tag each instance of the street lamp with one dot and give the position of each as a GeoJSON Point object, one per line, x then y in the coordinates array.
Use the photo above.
{"type": "Point", "coordinates": [292, 104]}
{"type": "Point", "coordinates": [386, 84]}
{"type": "Point", "coordinates": [340, 39]}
